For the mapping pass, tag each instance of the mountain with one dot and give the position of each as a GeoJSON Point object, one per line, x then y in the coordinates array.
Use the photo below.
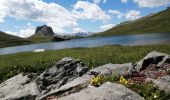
{"type": "Point", "coordinates": [154, 23]}
{"type": "Point", "coordinates": [7, 40]}
{"type": "Point", "coordinates": [45, 33]}
{"type": "Point", "coordinates": [78, 35]}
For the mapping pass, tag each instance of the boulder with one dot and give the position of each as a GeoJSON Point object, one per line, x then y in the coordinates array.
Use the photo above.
{"type": "Point", "coordinates": [63, 72]}
{"type": "Point", "coordinates": [107, 91]}
{"type": "Point", "coordinates": [154, 67]}
{"type": "Point", "coordinates": [30, 86]}
{"type": "Point", "coordinates": [163, 83]}
{"type": "Point", "coordinates": [19, 87]}
{"type": "Point", "coordinates": [81, 82]}
{"type": "Point", "coordinates": [44, 30]}
{"type": "Point", "coordinates": [152, 58]}
{"type": "Point", "coordinates": [116, 69]}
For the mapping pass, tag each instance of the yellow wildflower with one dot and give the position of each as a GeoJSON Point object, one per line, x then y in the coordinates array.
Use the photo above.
{"type": "Point", "coordinates": [123, 81]}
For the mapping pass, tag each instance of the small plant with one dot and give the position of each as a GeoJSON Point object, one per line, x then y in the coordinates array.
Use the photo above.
{"type": "Point", "coordinates": [149, 91]}
{"type": "Point", "coordinates": [97, 80]}
{"type": "Point", "coordinates": [123, 81]}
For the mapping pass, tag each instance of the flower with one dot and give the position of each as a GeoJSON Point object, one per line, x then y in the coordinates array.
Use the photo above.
{"type": "Point", "coordinates": [123, 81]}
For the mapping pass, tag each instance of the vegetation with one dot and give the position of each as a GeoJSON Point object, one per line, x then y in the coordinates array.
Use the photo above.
{"type": "Point", "coordinates": [13, 64]}
{"type": "Point", "coordinates": [40, 38]}
{"type": "Point", "coordinates": [9, 40]}
{"type": "Point", "coordinates": [156, 23]}
{"type": "Point", "coordinates": [147, 90]}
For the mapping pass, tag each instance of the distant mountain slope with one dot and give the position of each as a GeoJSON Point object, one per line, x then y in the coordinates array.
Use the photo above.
{"type": "Point", "coordinates": [159, 22]}
{"type": "Point", "coordinates": [7, 40]}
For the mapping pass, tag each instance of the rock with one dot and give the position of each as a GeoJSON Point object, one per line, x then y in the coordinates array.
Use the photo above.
{"type": "Point", "coordinates": [71, 87]}
{"type": "Point", "coordinates": [63, 72]}
{"type": "Point", "coordinates": [154, 67]}
{"type": "Point", "coordinates": [59, 38]}
{"type": "Point", "coordinates": [163, 83]}
{"type": "Point", "coordinates": [84, 81]}
{"type": "Point", "coordinates": [107, 91]}
{"type": "Point", "coordinates": [152, 58]}
{"type": "Point", "coordinates": [18, 87]}
{"type": "Point", "coordinates": [39, 50]}
{"type": "Point", "coordinates": [44, 30]}
{"type": "Point", "coordinates": [28, 87]}
{"type": "Point", "coordinates": [116, 69]}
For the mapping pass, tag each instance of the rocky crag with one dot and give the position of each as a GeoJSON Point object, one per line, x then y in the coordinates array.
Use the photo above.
{"type": "Point", "coordinates": [70, 79]}
{"type": "Point", "coordinates": [44, 30]}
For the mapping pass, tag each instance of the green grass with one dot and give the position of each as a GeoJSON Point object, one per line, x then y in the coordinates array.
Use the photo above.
{"type": "Point", "coordinates": [40, 38]}
{"type": "Point", "coordinates": [157, 23]}
{"type": "Point", "coordinates": [9, 40]}
{"type": "Point", "coordinates": [13, 64]}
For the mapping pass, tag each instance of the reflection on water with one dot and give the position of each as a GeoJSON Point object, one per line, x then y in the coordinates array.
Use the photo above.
{"type": "Point", "coordinates": [142, 39]}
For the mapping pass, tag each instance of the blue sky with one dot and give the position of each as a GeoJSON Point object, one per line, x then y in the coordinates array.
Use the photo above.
{"type": "Point", "coordinates": [21, 17]}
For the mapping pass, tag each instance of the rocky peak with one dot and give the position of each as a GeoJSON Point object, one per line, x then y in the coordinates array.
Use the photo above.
{"type": "Point", "coordinates": [44, 30]}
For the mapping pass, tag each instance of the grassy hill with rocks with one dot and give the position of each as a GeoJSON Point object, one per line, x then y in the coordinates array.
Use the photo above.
{"type": "Point", "coordinates": [155, 23]}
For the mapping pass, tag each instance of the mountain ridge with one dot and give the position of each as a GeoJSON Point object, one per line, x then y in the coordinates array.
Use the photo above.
{"type": "Point", "coordinates": [7, 40]}
{"type": "Point", "coordinates": [155, 23]}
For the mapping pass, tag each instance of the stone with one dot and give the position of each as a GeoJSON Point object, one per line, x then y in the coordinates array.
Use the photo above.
{"type": "Point", "coordinates": [18, 88]}
{"type": "Point", "coordinates": [163, 83]}
{"type": "Point", "coordinates": [107, 91]}
{"type": "Point", "coordinates": [44, 30]}
{"type": "Point", "coordinates": [116, 69]}
{"type": "Point", "coordinates": [84, 81]}
{"type": "Point", "coordinates": [65, 71]}
{"type": "Point", "coordinates": [152, 58]}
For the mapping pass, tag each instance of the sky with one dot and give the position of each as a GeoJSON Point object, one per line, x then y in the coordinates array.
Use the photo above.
{"type": "Point", "coordinates": [21, 17]}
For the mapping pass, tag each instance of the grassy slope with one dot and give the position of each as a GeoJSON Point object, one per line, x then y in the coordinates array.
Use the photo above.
{"type": "Point", "coordinates": [11, 65]}
{"type": "Point", "coordinates": [9, 40]}
{"type": "Point", "coordinates": [40, 38]}
{"type": "Point", "coordinates": [158, 23]}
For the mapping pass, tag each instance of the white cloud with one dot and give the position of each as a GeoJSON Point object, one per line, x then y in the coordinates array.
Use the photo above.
{"type": "Point", "coordinates": [151, 3]}
{"type": "Point", "coordinates": [124, 1]}
{"type": "Point", "coordinates": [132, 15]}
{"type": "Point", "coordinates": [99, 1]}
{"type": "Point", "coordinates": [51, 14]}
{"type": "Point", "coordinates": [36, 10]}
{"type": "Point", "coordinates": [78, 29]}
{"type": "Point", "coordinates": [87, 10]}
{"type": "Point", "coordinates": [117, 13]}
{"type": "Point", "coordinates": [107, 26]}
{"type": "Point", "coordinates": [96, 1]}
{"type": "Point", "coordinates": [27, 31]}
{"type": "Point", "coordinates": [129, 15]}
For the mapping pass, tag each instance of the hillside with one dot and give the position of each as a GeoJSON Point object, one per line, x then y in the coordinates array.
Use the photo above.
{"type": "Point", "coordinates": [156, 23]}
{"type": "Point", "coordinates": [7, 40]}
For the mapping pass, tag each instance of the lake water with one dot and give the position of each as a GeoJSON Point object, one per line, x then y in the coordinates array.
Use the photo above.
{"type": "Point", "coordinates": [142, 39]}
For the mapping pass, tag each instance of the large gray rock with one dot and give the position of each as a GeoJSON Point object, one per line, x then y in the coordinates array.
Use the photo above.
{"type": "Point", "coordinates": [152, 58]}
{"type": "Point", "coordinates": [84, 81]}
{"type": "Point", "coordinates": [154, 67]}
{"type": "Point", "coordinates": [44, 30]}
{"type": "Point", "coordinates": [107, 91]}
{"type": "Point", "coordinates": [163, 83]}
{"type": "Point", "coordinates": [27, 87]}
{"type": "Point", "coordinates": [63, 72]}
{"type": "Point", "coordinates": [18, 88]}
{"type": "Point", "coordinates": [116, 69]}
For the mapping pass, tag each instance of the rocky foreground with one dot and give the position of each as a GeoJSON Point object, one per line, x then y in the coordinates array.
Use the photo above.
{"type": "Point", "coordinates": [70, 79]}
